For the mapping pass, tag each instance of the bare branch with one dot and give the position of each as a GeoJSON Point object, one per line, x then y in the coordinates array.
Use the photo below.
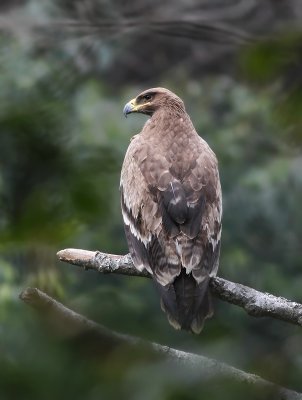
{"type": "Point", "coordinates": [255, 303]}
{"type": "Point", "coordinates": [67, 322]}
{"type": "Point", "coordinates": [77, 324]}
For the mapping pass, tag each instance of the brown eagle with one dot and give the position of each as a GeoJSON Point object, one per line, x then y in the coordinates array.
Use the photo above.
{"type": "Point", "coordinates": [171, 206]}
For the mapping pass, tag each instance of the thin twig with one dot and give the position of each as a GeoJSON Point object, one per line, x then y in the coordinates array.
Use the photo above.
{"type": "Point", "coordinates": [254, 302]}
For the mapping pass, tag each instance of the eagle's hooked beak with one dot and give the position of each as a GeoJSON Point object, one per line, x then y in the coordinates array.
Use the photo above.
{"type": "Point", "coordinates": [130, 107]}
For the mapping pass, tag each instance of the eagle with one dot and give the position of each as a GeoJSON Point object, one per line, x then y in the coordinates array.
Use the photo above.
{"type": "Point", "coordinates": [172, 207]}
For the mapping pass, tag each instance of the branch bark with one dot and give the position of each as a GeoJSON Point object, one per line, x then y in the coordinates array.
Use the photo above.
{"type": "Point", "coordinates": [254, 302]}
{"type": "Point", "coordinates": [75, 324]}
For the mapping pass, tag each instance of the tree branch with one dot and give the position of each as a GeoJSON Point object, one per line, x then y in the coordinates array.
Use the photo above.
{"type": "Point", "coordinates": [255, 303]}
{"type": "Point", "coordinates": [75, 324]}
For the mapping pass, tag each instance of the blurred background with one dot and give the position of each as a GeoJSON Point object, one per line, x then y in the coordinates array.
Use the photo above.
{"type": "Point", "coordinates": [67, 67]}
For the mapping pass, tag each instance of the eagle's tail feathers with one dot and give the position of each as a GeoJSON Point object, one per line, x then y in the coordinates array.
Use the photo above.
{"type": "Point", "coordinates": [206, 311]}
{"type": "Point", "coordinates": [186, 303]}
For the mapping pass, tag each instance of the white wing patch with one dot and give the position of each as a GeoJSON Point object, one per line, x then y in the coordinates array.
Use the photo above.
{"type": "Point", "coordinates": [134, 231]}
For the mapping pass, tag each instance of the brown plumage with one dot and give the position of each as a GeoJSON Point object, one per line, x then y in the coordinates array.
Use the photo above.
{"type": "Point", "coordinates": [171, 206]}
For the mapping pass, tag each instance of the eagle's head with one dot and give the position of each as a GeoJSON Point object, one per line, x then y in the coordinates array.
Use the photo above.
{"type": "Point", "coordinates": [152, 100]}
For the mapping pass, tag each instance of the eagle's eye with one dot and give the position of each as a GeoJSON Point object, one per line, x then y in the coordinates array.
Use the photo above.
{"type": "Point", "coordinates": [147, 97]}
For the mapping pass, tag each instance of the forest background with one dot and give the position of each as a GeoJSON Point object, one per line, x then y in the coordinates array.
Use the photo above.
{"type": "Point", "coordinates": [66, 70]}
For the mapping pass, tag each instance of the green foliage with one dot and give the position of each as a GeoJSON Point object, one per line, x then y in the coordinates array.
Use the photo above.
{"type": "Point", "coordinates": [277, 61]}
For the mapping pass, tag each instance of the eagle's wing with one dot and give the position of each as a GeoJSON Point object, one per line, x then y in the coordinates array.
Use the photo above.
{"type": "Point", "coordinates": [140, 209]}
{"type": "Point", "coordinates": [203, 225]}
